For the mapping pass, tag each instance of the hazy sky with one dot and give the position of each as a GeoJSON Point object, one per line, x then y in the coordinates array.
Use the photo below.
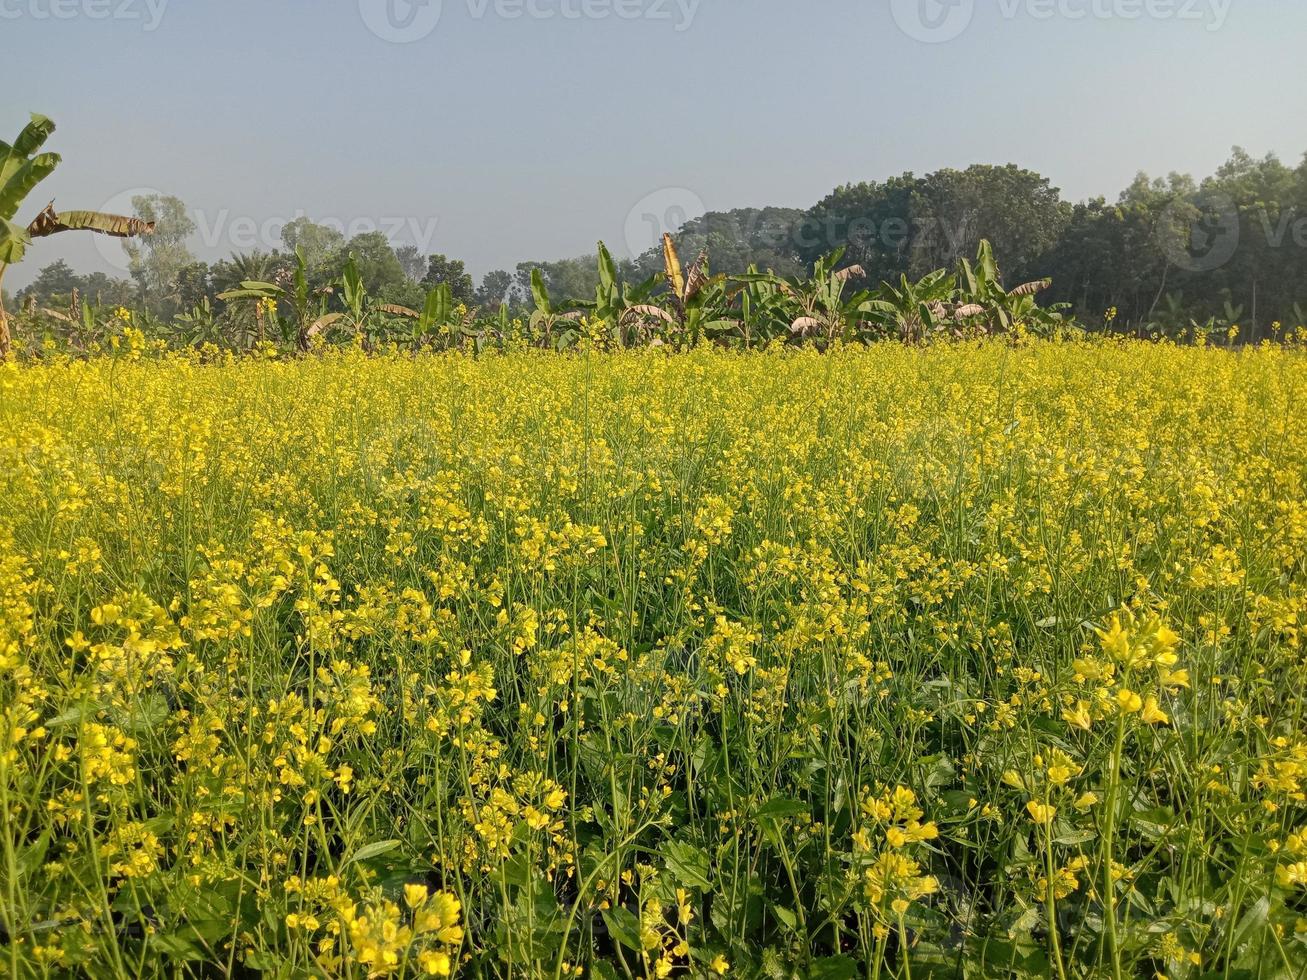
{"type": "Point", "coordinates": [505, 130]}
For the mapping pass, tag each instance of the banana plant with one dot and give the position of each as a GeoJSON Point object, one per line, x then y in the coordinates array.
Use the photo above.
{"type": "Point", "coordinates": [1172, 313]}
{"type": "Point", "coordinates": [22, 168]}
{"type": "Point", "coordinates": [74, 324]}
{"type": "Point", "coordinates": [699, 300]}
{"type": "Point", "coordinates": [437, 311]}
{"type": "Point", "coordinates": [763, 305]}
{"type": "Point", "coordinates": [915, 310]}
{"type": "Point", "coordinates": [439, 316]}
{"type": "Point", "coordinates": [1000, 309]}
{"type": "Point", "coordinates": [546, 317]}
{"type": "Point", "coordinates": [198, 326]}
{"type": "Point", "coordinates": [353, 294]}
{"type": "Point", "coordinates": [817, 307]}
{"type": "Point", "coordinates": [624, 309]}
{"type": "Point", "coordinates": [308, 307]}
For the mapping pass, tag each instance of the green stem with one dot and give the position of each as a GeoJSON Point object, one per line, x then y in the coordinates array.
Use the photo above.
{"type": "Point", "coordinates": [1109, 832]}
{"type": "Point", "coordinates": [1050, 905]}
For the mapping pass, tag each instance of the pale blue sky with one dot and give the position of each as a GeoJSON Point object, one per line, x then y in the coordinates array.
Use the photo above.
{"type": "Point", "coordinates": [498, 138]}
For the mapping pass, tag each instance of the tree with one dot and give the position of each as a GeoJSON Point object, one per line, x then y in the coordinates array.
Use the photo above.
{"type": "Point", "coordinates": [872, 221]}
{"type": "Point", "coordinates": [54, 283]}
{"type": "Point", "coordinates": [413, 262]}
{"type": "Point", "coordinates": [911, 225]}
{"type": "Point", "coordinates": [1257, 201]}
{"type": "Point", "coordinates": [194, 286]}
{"type": "Point", "coordinates": [22, 168]}
{"type": "Point", "coordinates": [566, 279]}
{"type": "Point", "coordinates": [156, 262]}
{"type": "Point", "coordinates": [1017, 210]}
{"type": "Point", "coordinates": [496, 288]}
{"type": "Point", "coordinates": [735, 240]}
{"type": "Point", "coordinates": [377, 263]}
{"type": "Point", "coordinates": [105, 291]}
{"type": "Point", "coordinates": [450, 272]}
{"type": "Point", "coordinates": [320, 244]}
{"type": "Point", "coordinates": [1173, 249]}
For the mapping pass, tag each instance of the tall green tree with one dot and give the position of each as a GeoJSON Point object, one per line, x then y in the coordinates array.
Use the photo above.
{"type": "Point", "coordinates": [379, 269]}
{"type": "Point", "coordinates": [452, 273]}
{"type": "Point", "coordinates": [909, 225]}
{"type": "Point", "coordinates": [1017, 210]}
{"type": "Point", "coordinates": [496, 287]}
{"type": "Point", "coordinates": [872, 221]}
{"type": "Point", "coordinates": [413, 261]}
{"type": "Point", "coordinates": [55, 282]}
{"type": "Point", "coordinates": [320, 244]}
{"type": "Point", "coordinates": [156, 262]}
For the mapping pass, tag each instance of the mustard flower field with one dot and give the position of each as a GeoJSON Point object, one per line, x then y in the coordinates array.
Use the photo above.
{"type": "Point", "coordinates": [969, 661]}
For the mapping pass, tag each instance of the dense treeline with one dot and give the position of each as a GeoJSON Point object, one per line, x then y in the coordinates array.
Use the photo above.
{"type": "Point", "coordinates": [1168, 255]}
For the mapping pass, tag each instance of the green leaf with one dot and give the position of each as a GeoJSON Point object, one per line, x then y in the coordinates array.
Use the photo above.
{"type": "Point", "coordinates": [516, 870]}
{"type": "Point", "coordinates": [786, 916]}
{"type": "Point", "coordinates": [31, 139]}
{"type": "Point", "coordinates": [263, 961]}
{"type": "Point", "coordinates": [232, 294]}
{"type": "Point", "coordinates": [607, 268]}
{"type": "Point", "coordinates": [32, 856]}
{"type": "Point", "coordinates": [352, 288]}
{"type": "Point", "coordinates": [624, 927]}
{"type": "Point", "coordinates": [34, 135]}
{"type": "Point", "coordinates": [1253, 922]}
{"type": "Point", "coordinates": [539, 293]}
{"type": "Point", "coordinates": [1072, 837]}
{"type": "Point", "coordinates": [13, 242]}
{"type": "Point", "coordinates": [177, 947]}
{"type": "Point", "coordinates": [72, 716]}
{"type": "Point", "coordinates": [436, 309]}
{"type": "Point", "coordinates": [369, 851]}
{"type": "Point", "coordinates": [15, 186]}
{"type": "Point", "coordinates": [781, 807]}
{"type": "Point", "coordinates": [688, 864]}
